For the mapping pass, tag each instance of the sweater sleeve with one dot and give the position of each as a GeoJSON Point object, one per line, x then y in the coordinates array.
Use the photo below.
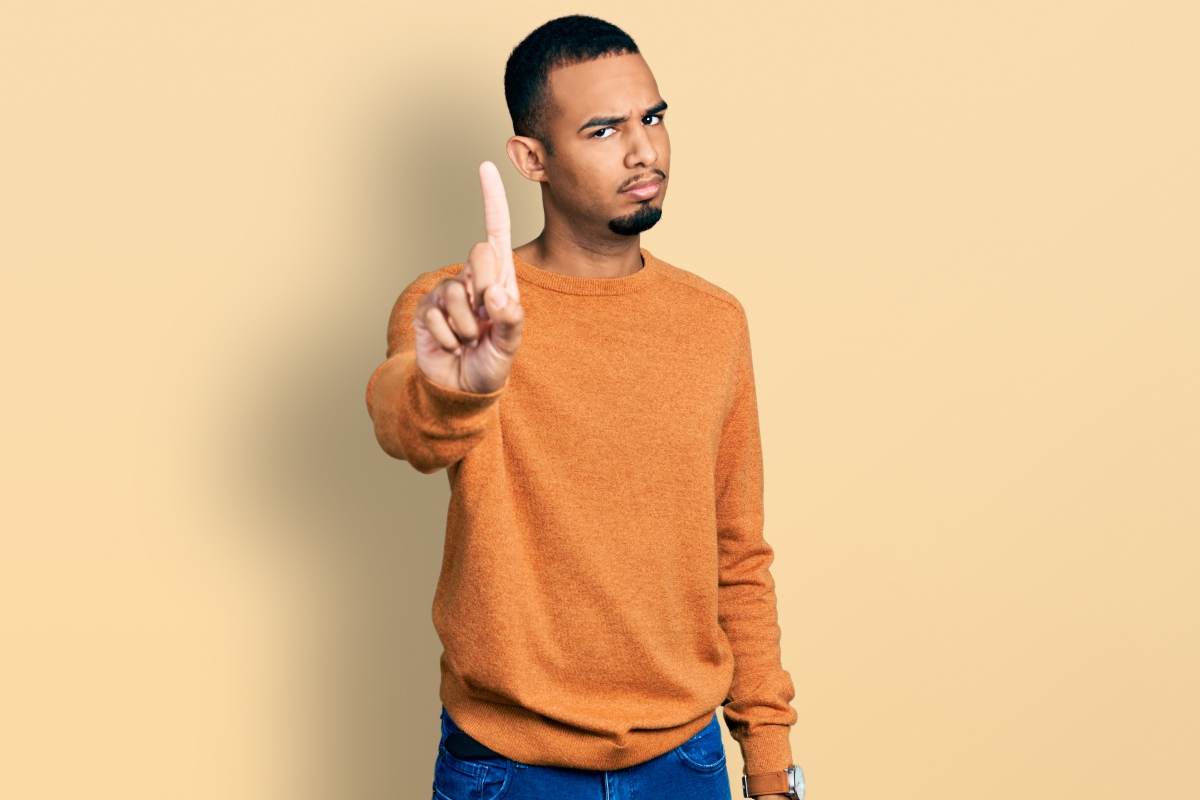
{"type": "Point", "coordinates": [758, 710]}
{"type": "Point", "coordinates": [427, 425]}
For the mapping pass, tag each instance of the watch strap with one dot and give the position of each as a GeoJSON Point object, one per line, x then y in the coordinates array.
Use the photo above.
{"type": "Point", "coordinates": [769, 783]}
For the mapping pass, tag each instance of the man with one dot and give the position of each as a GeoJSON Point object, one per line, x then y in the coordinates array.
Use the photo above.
{"type": "Point", "coordinates": [605, 583]}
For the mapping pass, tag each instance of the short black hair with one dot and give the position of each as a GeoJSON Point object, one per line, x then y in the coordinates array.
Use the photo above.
{"type": "Point", "coordinates": [559, 43]}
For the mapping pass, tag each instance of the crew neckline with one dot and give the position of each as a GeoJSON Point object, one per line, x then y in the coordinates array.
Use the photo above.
{"type": "Point", "coordinates": [570, 284]}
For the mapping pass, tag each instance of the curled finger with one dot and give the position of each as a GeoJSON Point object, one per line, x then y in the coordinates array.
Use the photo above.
{"type": "Point", "coordinates": [435, 322]}
{"type": "Point", "coordinates": [456, 302]}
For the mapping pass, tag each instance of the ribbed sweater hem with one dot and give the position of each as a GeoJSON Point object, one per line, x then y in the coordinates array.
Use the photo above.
{"type": "Point", "coordinates": [530, 738]}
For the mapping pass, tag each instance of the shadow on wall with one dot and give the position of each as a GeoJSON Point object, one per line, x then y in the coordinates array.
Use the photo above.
{"type": "Point", "coordinates": [370, 529]}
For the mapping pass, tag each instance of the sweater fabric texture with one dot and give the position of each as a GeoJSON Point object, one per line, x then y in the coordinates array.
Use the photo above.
{"type": "Point", "coordinates": [605, 583]}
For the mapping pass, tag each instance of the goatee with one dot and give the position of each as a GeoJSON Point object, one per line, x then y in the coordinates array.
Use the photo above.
{"type": "Point", "coordinates": [641, 220]}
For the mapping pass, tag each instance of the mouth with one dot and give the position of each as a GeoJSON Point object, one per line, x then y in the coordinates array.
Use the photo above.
{"type": "Point", "coordinates": [646, 188]}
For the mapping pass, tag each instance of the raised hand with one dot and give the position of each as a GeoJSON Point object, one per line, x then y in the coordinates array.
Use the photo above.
{"type": "Point", "coordinates": [468, 328]}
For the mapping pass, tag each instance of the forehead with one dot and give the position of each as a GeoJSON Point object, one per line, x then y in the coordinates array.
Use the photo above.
{"type": "Point", "coordinates": [610, 85]}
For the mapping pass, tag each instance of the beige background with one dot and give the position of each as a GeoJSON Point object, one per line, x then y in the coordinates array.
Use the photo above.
{"type": "Point", "coordinates": [966, 236]}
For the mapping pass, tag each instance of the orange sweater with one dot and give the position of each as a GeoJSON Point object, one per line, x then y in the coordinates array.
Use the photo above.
{"type": "Point", "coordinates": [605, 584]}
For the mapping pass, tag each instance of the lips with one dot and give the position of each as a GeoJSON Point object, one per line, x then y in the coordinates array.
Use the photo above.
{"type": "Point", "coordinates": [644, 190]}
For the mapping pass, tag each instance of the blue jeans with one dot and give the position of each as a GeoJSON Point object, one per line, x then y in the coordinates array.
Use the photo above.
{"type": "Point", "coordinates": [694, 771]}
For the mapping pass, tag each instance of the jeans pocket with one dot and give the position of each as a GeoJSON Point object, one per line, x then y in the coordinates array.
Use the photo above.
{"type": "Point", "coordinates": [704, 752]}
{"type": "Point", "coordinates": [456, 779]}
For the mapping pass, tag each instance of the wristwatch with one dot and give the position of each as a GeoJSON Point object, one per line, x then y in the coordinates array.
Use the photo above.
{"type": "Point", "coordinates": [788, 782]}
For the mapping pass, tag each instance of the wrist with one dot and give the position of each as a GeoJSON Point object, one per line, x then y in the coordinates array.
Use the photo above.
{"type": "Point", "coordinates": [786, 784]}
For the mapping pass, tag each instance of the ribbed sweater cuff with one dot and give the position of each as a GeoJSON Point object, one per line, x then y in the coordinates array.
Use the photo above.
{"type": "Point", "coordinates": [451, 404]}
{"type": "Point", "coordinates": [767, 750]}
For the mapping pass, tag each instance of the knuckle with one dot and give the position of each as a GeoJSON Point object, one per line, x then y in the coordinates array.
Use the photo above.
{"type": "Point", "coordinates": [432, 298]}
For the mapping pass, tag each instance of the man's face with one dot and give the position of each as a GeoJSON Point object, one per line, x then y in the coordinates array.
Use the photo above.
{"type": "Point", "coordinates": [612, 154]}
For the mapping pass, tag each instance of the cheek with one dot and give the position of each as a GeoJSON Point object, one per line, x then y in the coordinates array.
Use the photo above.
{"type": "Point", "coordinates": [594, 176]}
{"type": "Point", "coordinates": [605, 167]}
{"type": "Point", "coordinates": [564, 176]}
{"type": "Point", "coordinates": [662, 143]}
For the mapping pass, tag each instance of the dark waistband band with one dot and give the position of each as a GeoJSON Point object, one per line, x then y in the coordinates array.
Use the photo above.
{"type": "Point", "coordinates": [463, 746]}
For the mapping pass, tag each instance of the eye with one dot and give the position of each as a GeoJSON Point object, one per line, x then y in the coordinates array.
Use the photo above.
{"type": "Point", "coordinates": [652, 119]}
{"type": "Point", "coordinates": [604, 133]}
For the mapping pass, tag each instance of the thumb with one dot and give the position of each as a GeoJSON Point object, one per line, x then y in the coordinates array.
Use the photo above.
{"type": "Point", "coordinates": [507, 315]}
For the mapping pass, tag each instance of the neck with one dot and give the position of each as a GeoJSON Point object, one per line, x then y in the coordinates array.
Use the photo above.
{"type": "Point", "coordinates": [564, 249]}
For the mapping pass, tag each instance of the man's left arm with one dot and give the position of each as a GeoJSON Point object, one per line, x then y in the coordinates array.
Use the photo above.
{"type": "Point", "coordinates": [757, 711]}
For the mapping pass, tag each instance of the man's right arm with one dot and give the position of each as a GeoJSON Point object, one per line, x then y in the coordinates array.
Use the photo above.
{"type": "Point", "coordinates": [452, 339]}
{"type": "Point", "coordinates": [427, 425]}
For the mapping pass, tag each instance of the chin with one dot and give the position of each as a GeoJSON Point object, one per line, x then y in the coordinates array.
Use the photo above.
{"type": "Point", "coordinates": [641, 219]}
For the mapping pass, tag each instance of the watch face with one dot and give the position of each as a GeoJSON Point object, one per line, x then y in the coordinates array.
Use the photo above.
{"type": "Point", "coordinates": [797, 781]}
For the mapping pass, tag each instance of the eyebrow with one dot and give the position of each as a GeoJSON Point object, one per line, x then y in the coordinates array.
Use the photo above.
{"type": "Point", "coordinates": [604, 122]}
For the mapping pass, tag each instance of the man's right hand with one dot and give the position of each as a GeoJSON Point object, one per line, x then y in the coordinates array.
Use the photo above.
{"type": "Point", "coordinates": [468, 328]}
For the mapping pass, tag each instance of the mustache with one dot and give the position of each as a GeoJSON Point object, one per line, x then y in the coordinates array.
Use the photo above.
{"type": "Point", "coordinates": [640, 178]}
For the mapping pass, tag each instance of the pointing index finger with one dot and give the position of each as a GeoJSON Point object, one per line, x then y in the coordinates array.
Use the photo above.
{"type": "Point", "coordinates": [497, 224]}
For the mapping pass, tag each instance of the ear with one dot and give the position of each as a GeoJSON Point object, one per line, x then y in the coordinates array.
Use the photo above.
{"type": "Point", "coordinates": [528, 155]}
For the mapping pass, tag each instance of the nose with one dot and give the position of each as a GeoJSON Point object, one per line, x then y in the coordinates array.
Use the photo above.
{"type": "Point", "coordinates": [642, 152]}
